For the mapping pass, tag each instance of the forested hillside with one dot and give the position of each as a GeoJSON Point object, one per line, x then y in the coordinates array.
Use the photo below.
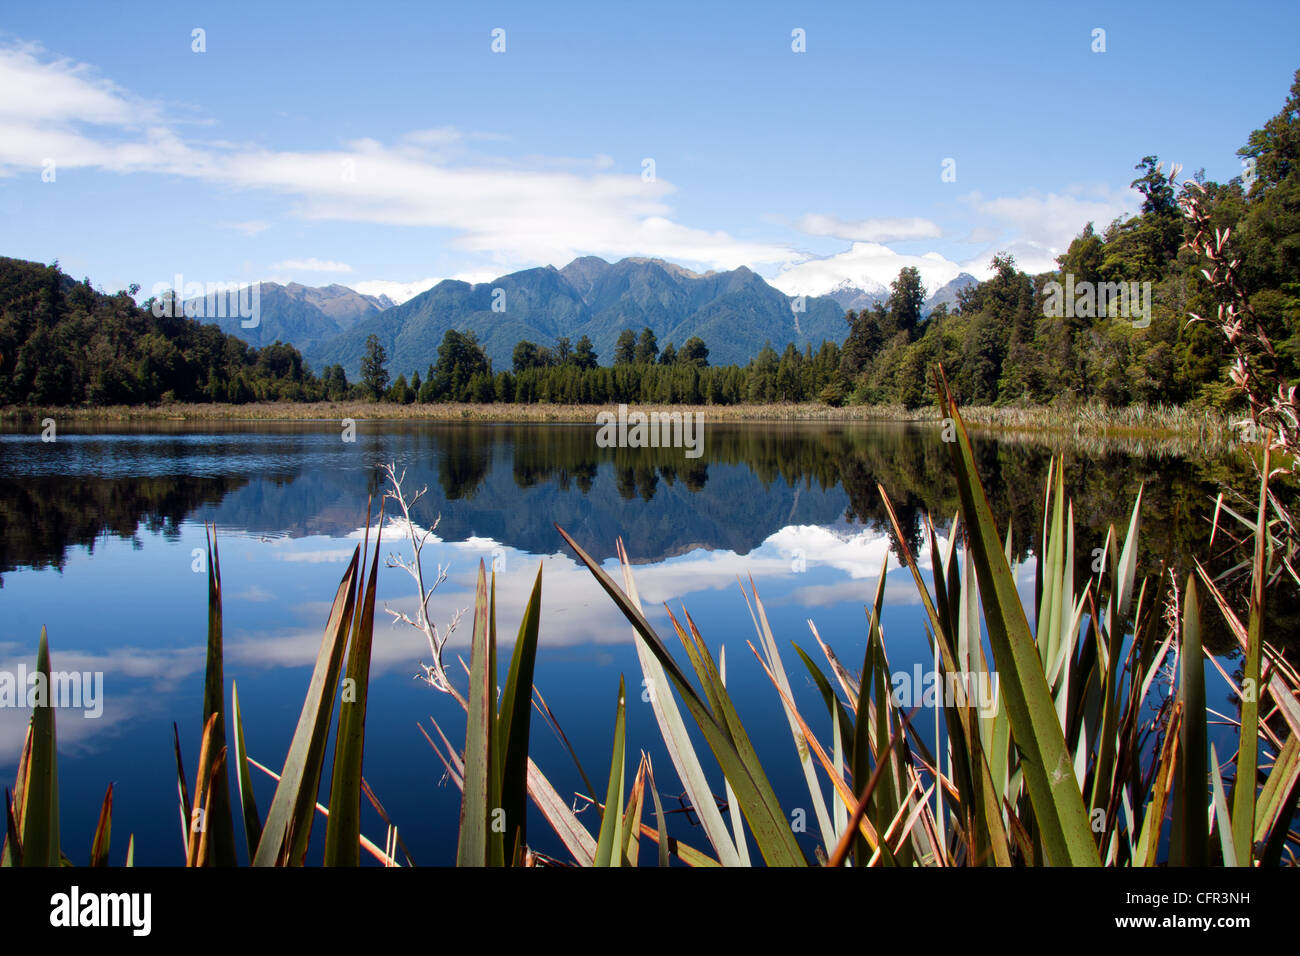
{"type": "Point", "coordinates": [64, 343]}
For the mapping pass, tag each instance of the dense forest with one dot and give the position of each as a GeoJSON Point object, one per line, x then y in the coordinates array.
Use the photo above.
{"type": "Point", "coordinates": [64, 343]}
{"type": "Point", "coordinates": [1003, 344]}
{"type": "Point", "coordinates": [640, 373]}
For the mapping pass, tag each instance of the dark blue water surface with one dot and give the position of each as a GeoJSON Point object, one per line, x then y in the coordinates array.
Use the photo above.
{"type": "Point", "coordinates": [98, 539]}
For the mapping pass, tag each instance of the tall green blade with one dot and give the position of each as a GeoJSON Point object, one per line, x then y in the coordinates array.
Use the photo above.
{"type": "Point", "coordinates": [182, 790]}
{"type": "Point", "coordinates": [12, 854]}
{"type": "Point", "coordinates": [630, 834]}
{"type": "Point", "coordinates": [771, 830]}
{"type": "Point", "coordinates": [1243, 790]}
{"type": "Point", "coordinates": [677, 740]}
{"type": "Point", "coordinates": [609, 844]}
{"type": "Point", "coordinates": [968, 767]}
{"type": "Point", "coordinates": [475, 808]}
{"type": "Point", "coordinates": [733, 805]}
{"type": "Point", "coordinates": [729, 719]}
{"type": "Point", "coordinates": [1277, 802]}
{"type": "Point", "coordinates": [219, 821]}
{"type": "Point", "coordinates": [1123, 569]}
{"type": "Point", "coordinates": [840, 716]}
{"type": "Point", "coordinates": [513, 725]}
{"type": "Point", "coordinates": [1063, 824]}
{"type": "Point", "coordinates": [248, 803]}
{"type": "Point", "coordinates": [1223, 823]}
{"type": "Point", "coordinates": [343, 826]}
{"type": "Point", "coordinates": [496, 828]}
{"type": "Point", "coordinates": [866, 744]}
{"type": "Point", "coordinates": [1190, 839]}
{"type": "Point", "coordinates": [300, 776]}
{"type": "Point", "coordinates": [40, 815]}
{"type": "Point", "coordinates": [103, 832]}
{"type": "Point", "coordinates": [661, 825]}
{"type": "Point", "coordinates": [884, 805]}
{"type": "Point", "coordinates": [1149, 839]}
{"type": "Point", "coordinates": [304, 814]}
{"type": "Point", "coordinates": [768, 641]}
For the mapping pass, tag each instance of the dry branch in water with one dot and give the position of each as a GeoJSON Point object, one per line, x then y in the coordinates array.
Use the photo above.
{"type": "Point", "coordinates": [434, 674]}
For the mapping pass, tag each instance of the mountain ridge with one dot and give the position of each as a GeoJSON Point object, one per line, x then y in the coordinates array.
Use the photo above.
{"type": "Point", "coordinates": [299, 315]}
{"type": "Point", "coordinates": [734, 311]}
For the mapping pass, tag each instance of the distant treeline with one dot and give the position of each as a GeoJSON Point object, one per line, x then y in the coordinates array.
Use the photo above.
{"type": "Point", "coordinates": [1010, 339]}
{"type": "Point", "coordinates": [572, 375]}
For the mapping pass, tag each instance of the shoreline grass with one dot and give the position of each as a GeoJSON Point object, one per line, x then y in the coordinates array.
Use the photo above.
{"type": "Point", "coordinates": [1162, 431]}
{"type": "Point", "coordinates": [1133, 420]}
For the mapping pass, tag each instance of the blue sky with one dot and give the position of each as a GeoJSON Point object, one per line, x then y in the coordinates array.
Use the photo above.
{"type": "Point", "coordinates": [388, 143]}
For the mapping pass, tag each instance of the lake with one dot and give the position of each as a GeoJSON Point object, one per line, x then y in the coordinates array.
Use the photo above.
{"type": "Point", "coordinates": [101, 535]}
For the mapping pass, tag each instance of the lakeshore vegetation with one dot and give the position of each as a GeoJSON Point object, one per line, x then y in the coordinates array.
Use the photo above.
{"type": "Point", "coordinates": [1004, 343]}
{"type": "Point", "coordinates": [1098, 751]}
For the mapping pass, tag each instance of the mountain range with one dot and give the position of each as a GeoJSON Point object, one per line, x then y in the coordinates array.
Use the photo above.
{"type": "Point", "coordinates": [735, 312]}
{"type": "Point", "coordinates": [302, 316]}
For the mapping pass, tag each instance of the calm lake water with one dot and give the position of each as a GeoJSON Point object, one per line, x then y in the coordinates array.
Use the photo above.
{"type": "Point", "coordinates": [98, 533]}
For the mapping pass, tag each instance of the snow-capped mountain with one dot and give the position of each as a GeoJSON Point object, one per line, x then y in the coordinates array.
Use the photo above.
{"type": "Point", "coordinates": [857, 296]}
{"type": "Point", "coordinates": [863, 273]}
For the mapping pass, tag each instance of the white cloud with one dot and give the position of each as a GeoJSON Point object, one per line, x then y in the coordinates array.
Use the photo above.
{"type": "Point", "coordinates": [1034, 228]}
{"type": "Point", "coordinates": [253, 593]}
{"type": "Point", "coordinates": [509, 213]}
{"type": "Point", "coordinates": [441, 136]}
{"type": "Point", "coordinates": [870, 230]}
{"type": "Point", "coordinates": [313, 265]}
{"type": "Point", "coordinates": [250, 227]}
{"type": "Point", "coordinates": [316, 557]}
{"type": "Point", "coordinates": [1040, 227]}
{"type": "Point", "coordinates": [42, 92]}
{"type": "Point", "coordinates": [515, 212]}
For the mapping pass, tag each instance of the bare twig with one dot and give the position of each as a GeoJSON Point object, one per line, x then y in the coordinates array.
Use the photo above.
{"type": "Point", "coordinates": [435, 674]}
